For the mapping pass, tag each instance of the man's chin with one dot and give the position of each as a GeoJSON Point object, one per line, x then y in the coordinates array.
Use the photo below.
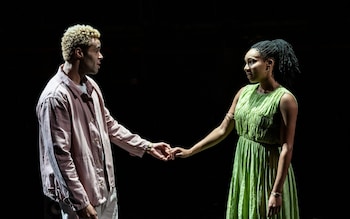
{"type": "Point", "coordinates": [92, 73]}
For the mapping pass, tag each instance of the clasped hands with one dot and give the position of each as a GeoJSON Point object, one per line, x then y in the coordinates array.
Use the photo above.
{"type": "Point", "coordinates": [165, 152]}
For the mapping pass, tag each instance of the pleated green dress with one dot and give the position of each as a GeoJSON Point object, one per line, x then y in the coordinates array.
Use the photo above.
{"type": "Point", "coordinates": [257, 121]}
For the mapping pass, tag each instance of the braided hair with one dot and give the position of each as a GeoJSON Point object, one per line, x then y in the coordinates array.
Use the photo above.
{"type": "Point", "coordinates": [286, 63]}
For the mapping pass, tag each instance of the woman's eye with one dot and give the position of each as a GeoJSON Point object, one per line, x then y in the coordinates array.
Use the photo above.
{"type": "Point", "coordinates": [251, 62]}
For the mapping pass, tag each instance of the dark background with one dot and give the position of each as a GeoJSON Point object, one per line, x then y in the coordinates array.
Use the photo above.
{"type": "Point", "coordinates": [169, 73]}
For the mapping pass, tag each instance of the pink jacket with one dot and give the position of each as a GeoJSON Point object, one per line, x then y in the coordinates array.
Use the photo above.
{"type": "Point", "coordinates": [75, 135]}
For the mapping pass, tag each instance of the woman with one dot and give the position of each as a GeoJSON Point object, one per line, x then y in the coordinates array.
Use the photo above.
{"type": "Point", "coordinates": [264, 115]}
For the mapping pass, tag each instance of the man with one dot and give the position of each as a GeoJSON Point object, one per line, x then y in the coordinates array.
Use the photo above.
{"type": "Point", "coordinates": [76, 131]}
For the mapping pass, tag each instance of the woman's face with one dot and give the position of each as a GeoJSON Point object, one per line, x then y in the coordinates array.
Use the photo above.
{"type": "Point", "coordinates": [255, 67]}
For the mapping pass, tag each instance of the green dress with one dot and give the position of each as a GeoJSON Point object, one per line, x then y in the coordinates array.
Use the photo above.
{"type": "Point", "coordinates": [257, 121]}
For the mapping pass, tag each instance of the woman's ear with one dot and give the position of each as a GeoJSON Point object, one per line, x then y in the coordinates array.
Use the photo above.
{"type": "Point", "coordinates": [270, 63]}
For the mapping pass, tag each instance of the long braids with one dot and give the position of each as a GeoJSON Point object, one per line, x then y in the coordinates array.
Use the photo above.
{"type": "Point", "coordinates": [286, 63]}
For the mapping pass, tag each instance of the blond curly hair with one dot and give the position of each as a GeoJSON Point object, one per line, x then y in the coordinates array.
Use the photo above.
{"type": "Point", "coordinates": [78, 35]}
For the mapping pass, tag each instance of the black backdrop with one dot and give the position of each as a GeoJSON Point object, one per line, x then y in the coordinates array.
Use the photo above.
{"type": "Point", "coordinates": [169, 73]}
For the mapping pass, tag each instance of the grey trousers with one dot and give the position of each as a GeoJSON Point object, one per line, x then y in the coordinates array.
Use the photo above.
{"type": "Point", "coordinates": [107, 210]}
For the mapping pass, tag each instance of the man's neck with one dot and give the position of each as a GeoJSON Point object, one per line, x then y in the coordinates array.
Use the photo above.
{"type": "Point", "coordinates": [71, 71]}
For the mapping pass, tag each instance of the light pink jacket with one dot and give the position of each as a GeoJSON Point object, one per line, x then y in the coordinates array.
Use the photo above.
{"type": "Point", "coordinates": [75, 135]}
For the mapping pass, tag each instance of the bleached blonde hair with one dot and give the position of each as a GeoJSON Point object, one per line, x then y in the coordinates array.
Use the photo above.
{"type": "Point", "coordinates": [78, 35]}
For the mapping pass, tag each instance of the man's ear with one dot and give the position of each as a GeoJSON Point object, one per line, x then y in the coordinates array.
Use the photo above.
{"type": "Point", "coordinates": [79, 53]}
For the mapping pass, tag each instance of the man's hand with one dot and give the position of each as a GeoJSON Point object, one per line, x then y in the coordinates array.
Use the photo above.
{"type": "Point", "coordinates": [160, 151]}
{"type": "Point", "coordinates": [88, 212]}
